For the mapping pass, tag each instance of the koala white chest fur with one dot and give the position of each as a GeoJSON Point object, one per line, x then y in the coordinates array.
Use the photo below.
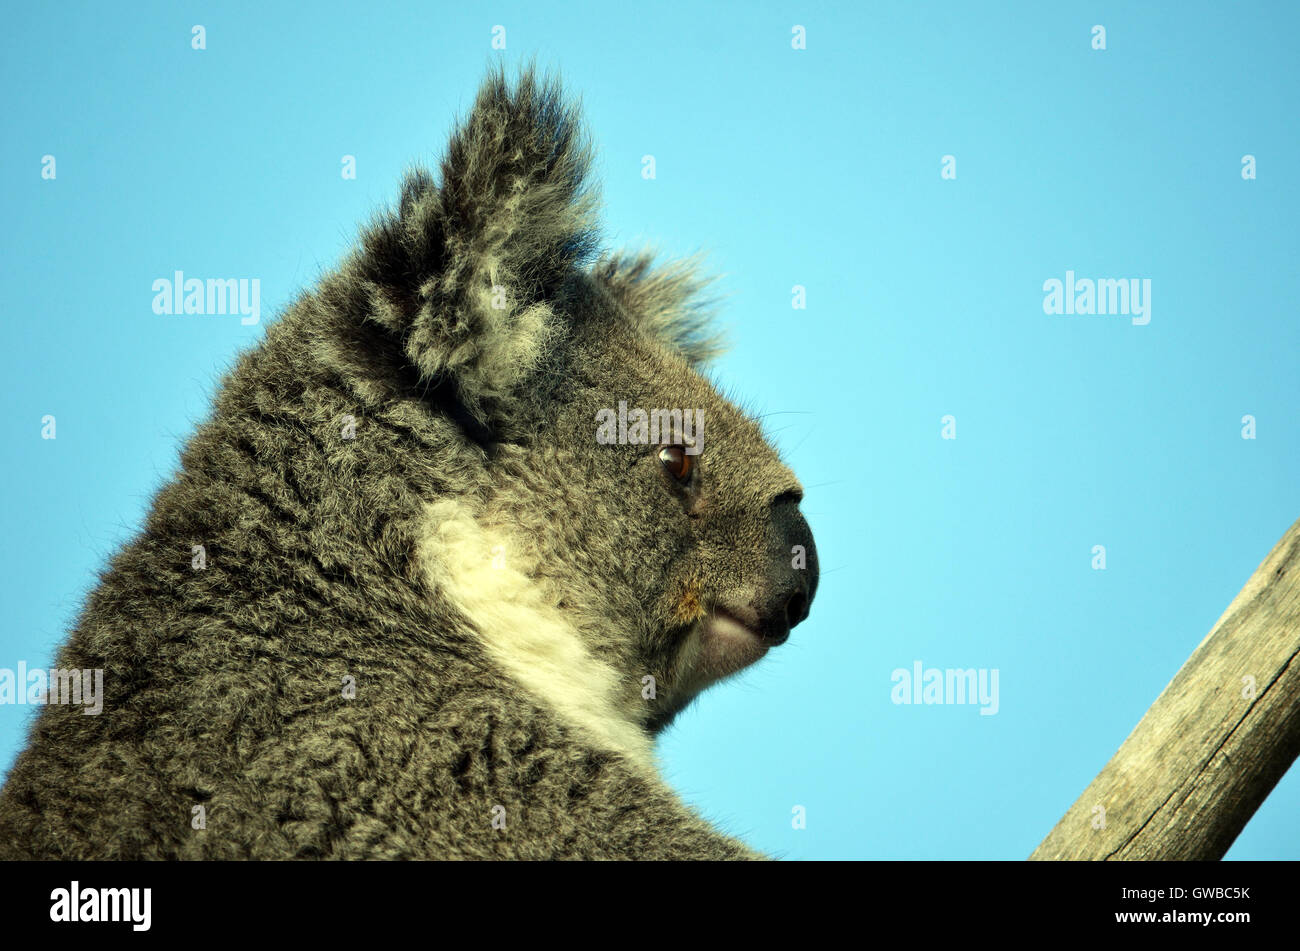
{"type": "Point", "coordinates": [478, 570]}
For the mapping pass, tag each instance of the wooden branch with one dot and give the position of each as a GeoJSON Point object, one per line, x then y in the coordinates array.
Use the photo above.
{"type": "Point", "coordinates": [1215, 742]}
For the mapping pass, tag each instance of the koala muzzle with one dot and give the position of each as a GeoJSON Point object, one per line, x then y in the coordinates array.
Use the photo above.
{"type": "Point", "coordinates": [792, 573]}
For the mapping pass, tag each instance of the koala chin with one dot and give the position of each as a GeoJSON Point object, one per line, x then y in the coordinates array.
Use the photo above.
{"type": "Point", "coordinates": [406, 597]}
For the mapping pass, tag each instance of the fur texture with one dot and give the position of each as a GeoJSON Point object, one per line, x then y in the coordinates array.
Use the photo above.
{"type": "Point", "coordinates": [401, 489]}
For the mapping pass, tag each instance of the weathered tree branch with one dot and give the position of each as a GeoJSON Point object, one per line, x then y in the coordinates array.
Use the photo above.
{"type": "Point", "coordinates": [1215, 742]}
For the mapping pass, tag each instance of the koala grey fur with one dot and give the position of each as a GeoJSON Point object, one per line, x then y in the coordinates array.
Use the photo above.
{"type": "Point", "coordinates": [401, 489]}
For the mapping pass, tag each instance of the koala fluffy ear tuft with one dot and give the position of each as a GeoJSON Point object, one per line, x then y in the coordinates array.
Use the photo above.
{"type": "Point", "coordinates": [670, 302]}
{"type": "Point", "coordinates": [466, 272]}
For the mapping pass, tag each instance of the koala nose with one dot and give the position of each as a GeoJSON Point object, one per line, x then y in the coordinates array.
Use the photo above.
{"type": "Point", "coordinates": [793, 573]}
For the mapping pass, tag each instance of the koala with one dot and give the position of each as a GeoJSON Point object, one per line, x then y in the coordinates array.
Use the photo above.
{"type": "Point", "coordinates": [445, 557]}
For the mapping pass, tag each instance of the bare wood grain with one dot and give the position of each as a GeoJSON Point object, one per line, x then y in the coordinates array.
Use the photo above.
{"type": "Point", "coordinates": [1215, 742]}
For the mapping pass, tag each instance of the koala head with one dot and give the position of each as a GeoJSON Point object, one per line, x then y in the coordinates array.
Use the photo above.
{"type": "Point", "coordinates": [642, 507]}
{"type": "Point", "coordinates": [692, 534]}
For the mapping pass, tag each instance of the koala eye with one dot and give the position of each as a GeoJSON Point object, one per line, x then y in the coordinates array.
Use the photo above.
{"type": "Point", "coordinates": [677, 462]}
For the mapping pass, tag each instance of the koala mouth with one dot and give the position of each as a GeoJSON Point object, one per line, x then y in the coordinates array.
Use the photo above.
{"type": "Point", "coordinates": [733, 623]}
{"type": "Point", "coordinates": [730, 641]}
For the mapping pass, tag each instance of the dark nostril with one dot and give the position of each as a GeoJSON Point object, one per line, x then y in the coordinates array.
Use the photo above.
{"type": "Point", "coordinates": [796, 609]}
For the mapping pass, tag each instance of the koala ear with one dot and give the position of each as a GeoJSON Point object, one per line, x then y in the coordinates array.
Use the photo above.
{"type": "Point", "coordinates": [466, 272]}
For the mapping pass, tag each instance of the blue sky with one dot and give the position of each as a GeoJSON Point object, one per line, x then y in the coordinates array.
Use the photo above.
{"type": "Point", "coordinates": [820, 168]}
